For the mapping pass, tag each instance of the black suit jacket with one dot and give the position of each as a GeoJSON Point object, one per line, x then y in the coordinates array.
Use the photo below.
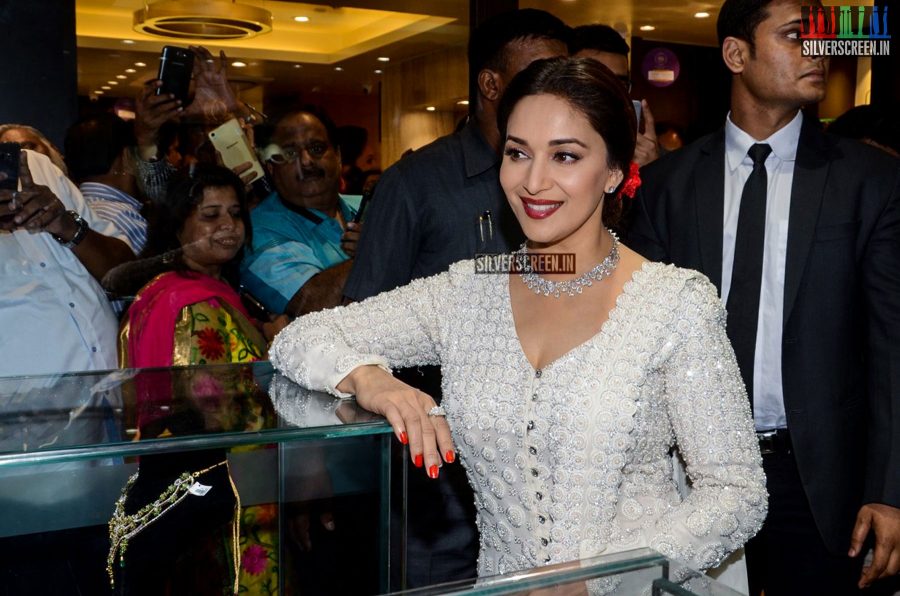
{"type": "Point", "coordinates": [841, 326]}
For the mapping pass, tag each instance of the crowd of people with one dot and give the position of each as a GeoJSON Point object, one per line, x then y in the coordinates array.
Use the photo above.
{"type": "Point", "coordinates": [746, 326]}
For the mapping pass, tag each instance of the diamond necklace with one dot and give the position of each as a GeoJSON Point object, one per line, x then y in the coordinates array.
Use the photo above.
{"type": "Point", "coordinates": [541, 286]}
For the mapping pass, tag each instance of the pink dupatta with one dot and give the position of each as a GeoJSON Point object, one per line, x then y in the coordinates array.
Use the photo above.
{"type": "Point", "coordinates": [152, 316]}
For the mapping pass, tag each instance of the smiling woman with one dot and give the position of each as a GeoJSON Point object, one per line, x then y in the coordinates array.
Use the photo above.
{"type": "Point", "coordinates": [192, 314]}
{"type": "Point", "coordinates": [564, 406]}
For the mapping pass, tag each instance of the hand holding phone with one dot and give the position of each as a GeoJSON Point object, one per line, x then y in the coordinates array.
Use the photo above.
{"type": "Point", "coordinates": [637, 112]}
{"type": "Point", "coordinates": [232, 144]}
{"type": "Point", "coordinates": [363, 203]}
{"type": "Point", "coordinates": [646, 148]}
{"type": "Point", "coordinates": [176, 65]}
{"type": "Point", "coordinates": [34, 207]}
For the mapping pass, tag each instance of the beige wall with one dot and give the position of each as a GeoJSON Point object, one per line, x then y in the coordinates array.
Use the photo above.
{"type": "Point", "coordinates": [438, 79]}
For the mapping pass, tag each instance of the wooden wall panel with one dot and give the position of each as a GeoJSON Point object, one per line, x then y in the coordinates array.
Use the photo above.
{"type": "Point", "coordinates": [438, 79]}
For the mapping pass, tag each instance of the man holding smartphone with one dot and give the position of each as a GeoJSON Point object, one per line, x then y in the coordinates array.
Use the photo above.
{"type": "Point", "coordinates": [305, 233]}
{"type": "Point", "coordinates": [604, 44]}
{"type": "Point", "coordinates": [54, 251]}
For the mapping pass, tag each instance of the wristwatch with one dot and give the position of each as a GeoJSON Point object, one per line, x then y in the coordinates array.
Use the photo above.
{"type": "Point", "coordinates": [80, 233]}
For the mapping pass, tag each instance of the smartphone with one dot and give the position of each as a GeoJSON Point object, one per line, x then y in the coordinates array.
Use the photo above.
{"type": "Point", "coordinates": [232, 144]}
{"type": "Point", "coordinates": [9, 172]}
{"type": "Point", "coordinates": [637, 111]}
{"type": "Point", "coordinates": [254, 306]}
{"type": "Point", "coordinates": [9, 165]}
{"type": "Point", "coordinates": [363, 203]}
{"type": "Point", "coordinates": [176, 65]}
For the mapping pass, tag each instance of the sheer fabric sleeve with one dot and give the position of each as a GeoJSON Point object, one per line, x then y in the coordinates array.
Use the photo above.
{"type": "Point", "coordinates": [710, 414]}
{"type": "Point", "coordinates": [400, 328]}
{"type": "Point", "coordinates": [152, 177]}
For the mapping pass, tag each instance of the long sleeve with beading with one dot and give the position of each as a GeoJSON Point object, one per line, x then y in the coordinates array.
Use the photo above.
{"type": "Point", "coordinates": [572, 460]}
{"type": "Point", "coordinates": [400, 328]}
{"type": "Point", "coordinates": [707, 406]}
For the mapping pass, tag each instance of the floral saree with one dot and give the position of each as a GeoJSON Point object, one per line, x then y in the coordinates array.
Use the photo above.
{"type": "Point", "coordinates": [182, 319]}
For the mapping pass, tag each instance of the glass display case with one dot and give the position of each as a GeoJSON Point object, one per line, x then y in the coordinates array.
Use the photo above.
{"type": "Point", "coordinates": [173, 453]}
{"type": "Point", "coordinates": [148, 481]}
{"type": "Point", "coordinates": [640, 572]}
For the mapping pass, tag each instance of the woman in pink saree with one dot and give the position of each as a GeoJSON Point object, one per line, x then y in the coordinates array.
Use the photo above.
{"type": "Point", "coordinates": [192, 315]}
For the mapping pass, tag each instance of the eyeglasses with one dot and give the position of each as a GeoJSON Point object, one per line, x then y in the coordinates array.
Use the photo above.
{"type": "Point", "coordinates": [284, 155]}
{"type": "Point", "coordinates": [626, 80]}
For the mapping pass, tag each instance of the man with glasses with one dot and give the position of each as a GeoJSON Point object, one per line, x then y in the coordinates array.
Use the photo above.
{"type": "Point", "coordinates": [605, 45]}
{"type": "Point", "coordinates": [303, 233]}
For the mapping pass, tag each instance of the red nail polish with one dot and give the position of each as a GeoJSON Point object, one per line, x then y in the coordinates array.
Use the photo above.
{"type": "Point", "coordinates": [433, 472]}
{"type": "Point", "coordinates": [418, 461]}
{"type": "Point", "coordinates": [450, 457]}
{"type": "Point", "coordinates": [404, 438]}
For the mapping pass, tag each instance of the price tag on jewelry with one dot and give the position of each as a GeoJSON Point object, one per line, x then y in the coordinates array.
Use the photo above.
{"type": "Point", "coordinates": [198, 490]}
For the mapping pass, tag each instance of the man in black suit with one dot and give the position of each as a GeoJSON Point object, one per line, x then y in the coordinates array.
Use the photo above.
{"type": "Point", "coordinates": [800, 231]}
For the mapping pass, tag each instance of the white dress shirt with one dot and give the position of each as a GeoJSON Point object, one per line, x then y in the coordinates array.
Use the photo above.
{"type": "Point", "coordinates": [768, 396]}
{"type": "Point", "coordinates": [54, 316]}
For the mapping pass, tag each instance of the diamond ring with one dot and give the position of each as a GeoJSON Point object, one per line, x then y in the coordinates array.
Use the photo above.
{"type": "Point", "coordinates": [437, 411]}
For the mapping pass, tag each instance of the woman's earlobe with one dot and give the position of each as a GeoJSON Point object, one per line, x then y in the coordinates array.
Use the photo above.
{"type": "Point", "coordinates": [616, 180]}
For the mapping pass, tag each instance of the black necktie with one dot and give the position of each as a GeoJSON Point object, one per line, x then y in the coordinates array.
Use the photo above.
{"type": "Point", "coordinates": [746, 274]}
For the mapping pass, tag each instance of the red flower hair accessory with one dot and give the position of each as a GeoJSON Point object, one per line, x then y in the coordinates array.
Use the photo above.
{"type": "Point", "coordinates": [632, 182]}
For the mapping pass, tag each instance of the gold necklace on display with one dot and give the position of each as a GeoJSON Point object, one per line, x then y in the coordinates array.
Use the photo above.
{"type": "Point", "coordinates": [123, 527]}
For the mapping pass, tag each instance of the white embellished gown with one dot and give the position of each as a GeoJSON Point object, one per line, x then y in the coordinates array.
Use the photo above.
{"type": "Point", "coordinates": [572, 460]}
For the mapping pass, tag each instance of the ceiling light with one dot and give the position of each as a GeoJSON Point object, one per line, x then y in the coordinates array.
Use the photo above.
{"type": "Point", "coordinates": [298, 66]}
{"type": "Point", "coordinates": [140, 64]}
{"type": "Point", "coordinates": [338, 68]}
{"type": "Point", "coordinates": [431, 108]}
{"type": "Point", "coordinates": [112, 82]}
{"type": "Point", "coordinates": [301, 19]}
{"type": "Point", "coordinates": [130, 70]}
{"type": "Point", "coordinates": [213, 20]}
{"type": "Point", "coordinates": [701, 15]}
{"type": "Point", "coordinates": [463, 102]}
{"type": "Point", "coordinates": [128, 41]}
{"type": "Point", "coordinates": [98, 92]}
{"type": "Point", "coordinates": [120, 77]}
{"type": "Point", "coordinates": [238, 64]}
{"type": "Point", "coordinates": [384, 59]}
{"type": "Point", "coordinates": [107, 87]}
{"type": "Point", "coordinates": [648, 28]}
{"type": "Point", "coordinates": [378, 71]}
